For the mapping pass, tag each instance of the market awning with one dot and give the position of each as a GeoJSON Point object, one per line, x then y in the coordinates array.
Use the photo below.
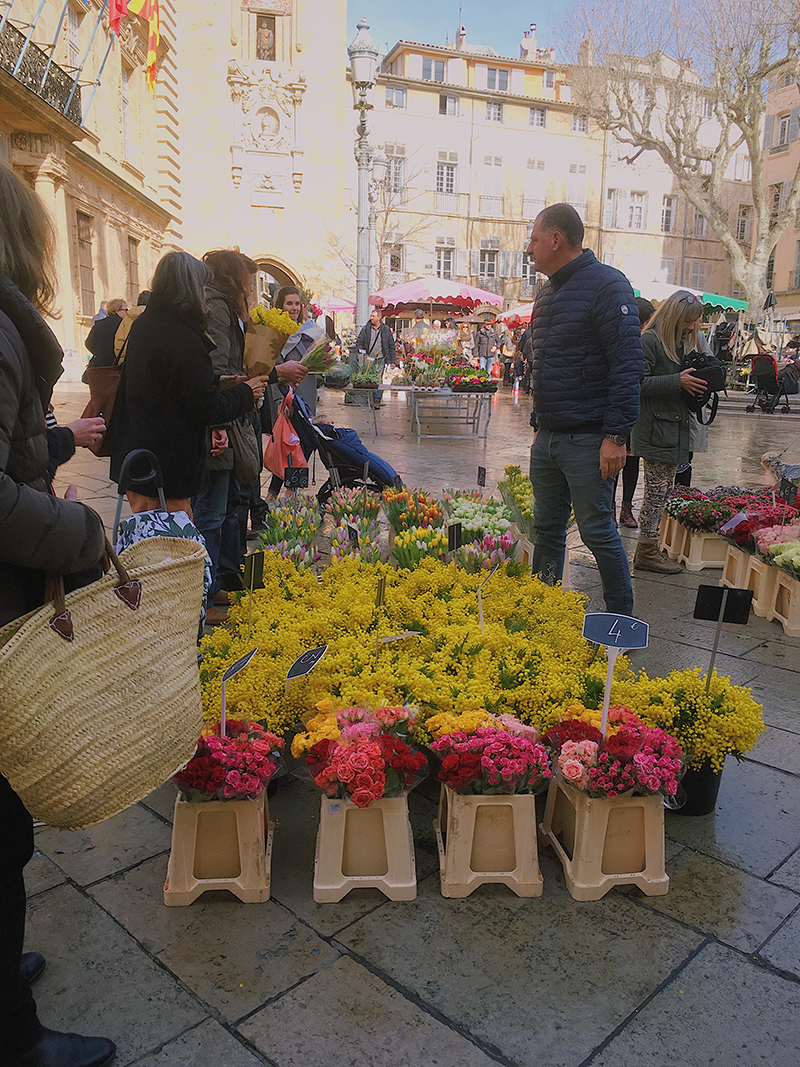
{"type": "Point", "coordinates": [516, 316]}
{"type": "Point", "coordinates": [728, 303]}
{"type": "Point", "coordinates": [425, 292]}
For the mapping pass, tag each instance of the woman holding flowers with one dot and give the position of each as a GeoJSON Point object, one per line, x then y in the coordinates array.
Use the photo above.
{"type": "Point", "coordinates": [661, 436]}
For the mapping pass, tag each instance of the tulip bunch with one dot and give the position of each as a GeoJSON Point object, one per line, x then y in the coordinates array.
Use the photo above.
{"type": "Point", "coordinates": [352, 503]}
{"type": "Point", "coordinates": [417, 544]}
{"type": "Point", "coordinates": [368, 549]}
{"type": "Point", "coordinates": [486, 554]}
{"type": "Point", "coordinates": [411, 507]}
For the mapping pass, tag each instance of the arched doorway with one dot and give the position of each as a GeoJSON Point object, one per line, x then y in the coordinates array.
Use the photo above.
{"type": "Point", "coordinates": [271, 275]}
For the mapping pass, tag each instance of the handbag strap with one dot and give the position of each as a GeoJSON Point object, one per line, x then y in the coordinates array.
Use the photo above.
{"type": "Point", "coordinates": [129, 591]}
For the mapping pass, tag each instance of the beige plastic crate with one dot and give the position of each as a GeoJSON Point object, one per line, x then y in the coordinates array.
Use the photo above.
{"type": "Point", "coordinates": [734, 569]}
{"type": "Point", "coordinates": [220, 844]}
{"type": "Point", "coordinates": [785, 604]}
{"type": "Point", "coordinates": [487, 839]}
{"type": "Point", "coordinates": [606, 842]}
{"type": "Point", "coordinates": [364, 848]}
{"type": "Point", "coordinates": [671, 536]}
{"type": "Point", "coordinates": [761, 578]}
{"type": "Point", "coordinates": [702, 551]}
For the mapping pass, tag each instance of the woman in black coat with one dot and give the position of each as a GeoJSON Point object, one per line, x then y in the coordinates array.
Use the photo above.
{"type": "Point", "coordinates": [168, 393]}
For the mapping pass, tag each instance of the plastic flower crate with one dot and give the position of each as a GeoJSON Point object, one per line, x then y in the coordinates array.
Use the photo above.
{"type": "Point", "coordinates": [671, 536]}
{"type": "Point", "coordinates": [703, 550]}
{"type": "Point", "coordinates": [487, 839]}
{"type": "Point", "coordinates": [785, 603]}
{"type": "Point", "coordinates": [734, 569]}
{"type": "Point", "coordinates": [364, 848]}
{"type": "Point", "coordinates": [606, 841]}
{"type": "Point", "coordinates": [220, 844]}
{"type": "Point", "coordinates": [761, 578]}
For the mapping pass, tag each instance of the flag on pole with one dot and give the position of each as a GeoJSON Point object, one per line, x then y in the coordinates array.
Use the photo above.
{"type": "Point", "coordinates": [147, 10]}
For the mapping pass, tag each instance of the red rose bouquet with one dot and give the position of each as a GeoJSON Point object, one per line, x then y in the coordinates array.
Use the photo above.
{"type": "Point", "coordinates": [235, 767]}
{"type": "Point", "coordinates": [492, 761]}
{"type": "Point", "coordinates": [365, 769]}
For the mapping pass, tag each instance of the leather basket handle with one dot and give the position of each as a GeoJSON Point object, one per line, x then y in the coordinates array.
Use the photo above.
{"type": "Point", "coordinates": [127, 589]}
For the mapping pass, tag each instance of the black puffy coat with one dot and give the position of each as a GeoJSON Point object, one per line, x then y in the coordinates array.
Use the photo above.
{"type": "Point", "coordinates": [100, 341]}
{"type": "Point", "coordinates": [39, 532]}
{"type": "Point", "coordinates": [587, 350]}
{"type": "Point", "coordinates": [168, 394]}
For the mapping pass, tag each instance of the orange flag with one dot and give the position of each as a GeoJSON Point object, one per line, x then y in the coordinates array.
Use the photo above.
{"type": "Point", "coordinates": [148, 10]}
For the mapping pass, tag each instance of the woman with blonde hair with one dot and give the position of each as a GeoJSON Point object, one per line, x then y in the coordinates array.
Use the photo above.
{"type": "Point", "coordinates": [661, 436]}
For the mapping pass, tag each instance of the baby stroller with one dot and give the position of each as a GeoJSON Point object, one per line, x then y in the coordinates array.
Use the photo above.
{"type": "Point", "coordinates": [343, 454]}
{"type": "Point", "coordinates": [769, 387]}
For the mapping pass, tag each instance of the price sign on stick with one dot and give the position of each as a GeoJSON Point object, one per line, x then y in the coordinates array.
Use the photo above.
{"type": "Point", "coordinates": [400, 637]}
{"type": "Point", "coordinates": [454, 537]}
{"type": "Point", "coordinates": [788, 491]}
{"type": "Point", "coordinates": [234, 668]}
{"type": "Point", "coordinates": [721, 605]}
{"type": "Point", "coordinates": [379, 596]}
{"type": "Point", "coordinates": [482, 477]}
{"type": "Point", "coordinates": [305, 664]}
{"type": "Point", "coordinates": [295, 477]}
{"type": "Point", "coordinates": [618, 634]}
{"type": "Point", "coordinates": [254, 570]}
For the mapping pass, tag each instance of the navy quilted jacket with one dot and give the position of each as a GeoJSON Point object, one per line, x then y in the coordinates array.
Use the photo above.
{"type": "Point", "coordinates": [587, 350]}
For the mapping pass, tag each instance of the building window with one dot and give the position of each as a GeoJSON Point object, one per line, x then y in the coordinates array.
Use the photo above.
{"type": "Point", "coordinates": [494, 112]}
{"type": "Point", "coordinates": [395, 96]}
{"type": "Point", "coordinates": [697, 274]}
{"type": "Point", "coordinates": [265, 37]}
{"type": "Point", "coordinates": [444, 262]}
{"type": "Point", "coordinates": [743, 223]}
{"type": "Point", "coordinates": [432, 69]}
{"type": "Point", "coordinates": [126, 113]}
{"type": "Point", "coordinates": [445, 178]}
{"type": "Point", "coordinates": [667, 271]}
{"type": "Point", "coordinates": [669, 214]}
{"type": "Point", "coordinates": [580, 124]}
{"type": "Point", "coordinates": [700, 225]}
{"type": "Point", "coordinates": [774, 197]}
{"type": "Point", "coordinates": [549, 79]}
{"type": "Point", "coordinates": [535, 191]}
{"type": "Point", "coordinates": [537, 116]}
{"type": "Point", "coordinates": [783, 129]}
{"type": "Point", "coordinates": [487, 264]}
{"type": "Point", "coordinates": [73, 40]}
{"type": "Point", "coordinates": [795, 284]}
{"type": "Point", "coordinates": [133, 270]}
{"type": "Point", "coordinates": [497, 79]}
{"type": "Point", "coordinates": [742, 168]}
{"type": "Point", "coordinates": [708, 108]}
{"type": "Point", "coordinates": [787, 79]}
{"type": "Point", "coordinates": [612, 200]}
{"type": "Point", "coordinates": [396, 259]}
{"type": "Point", "coordinates": [85, 263]}
{"type": "Point", "coordinates": [396, 174]}
{"type": "Point", "coordinates": [448, 105]}
{"type": "Point", "coordinates": [528, 270]}
{"type": "Point", "coordinates": [637, 215]}
{"type": "Point", "coordinates": [576, 188]}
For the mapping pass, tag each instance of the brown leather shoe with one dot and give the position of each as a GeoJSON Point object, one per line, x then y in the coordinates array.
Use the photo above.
{"type": "Point", "coordinates": [214, 616]}
{"type": "Point", "coordinates": [223, 598]}
{"type": "Point", "coordinates": [626, 517]}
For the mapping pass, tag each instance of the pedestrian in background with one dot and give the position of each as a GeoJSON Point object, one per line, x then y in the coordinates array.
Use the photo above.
{"type": "Point", "coordinates": [587, 365]}
{"type": "Point", "coordinates": [486, 347]}
{"type": "Point", "coordinates": [100, 339]}
{"type": "Point", "coordinates": [122, 334]}
{"type": "Point", "coordinates": [661, 435]}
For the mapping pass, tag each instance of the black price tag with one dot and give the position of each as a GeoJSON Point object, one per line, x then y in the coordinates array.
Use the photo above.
{"type": "Point", "coordinates": [709, 604]}
{"type": "Point", "coordinates": [788, 491]}
{"type": "Point", "coordinates": [352, 534]}
{"type": "Point", "coordinates": [616, 631]}
{"type": "Point", "coordinates": [239, 665]}
{"type": "Point", "coordinates": [295, 478]}
{"type": "Point", "coordinates": [398, 483]}
{"type": "Point", "coordinates": [254, 571]}
{"type": "Point", "coordinates": [306, 663]}
{"type": "Point", "coordinates": [454, 537]}
{"type": "Point", "coordinates": [482, 477]}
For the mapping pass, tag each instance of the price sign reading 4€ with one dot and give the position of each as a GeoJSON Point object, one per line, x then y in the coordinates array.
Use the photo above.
{"type": "Point", "coordinates": [617, 633]}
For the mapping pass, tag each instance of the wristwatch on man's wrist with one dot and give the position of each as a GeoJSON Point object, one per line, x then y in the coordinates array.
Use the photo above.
{"type": "Point", "coordinates": [617, 438]}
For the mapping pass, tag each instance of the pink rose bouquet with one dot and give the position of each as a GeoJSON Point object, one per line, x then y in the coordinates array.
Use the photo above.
{"type": "Point", "coordinates": [492, 761]}
{"type": "Point", "coordinates": [365, 769]}
{"type": "Point", "coordinates": [235, 767]}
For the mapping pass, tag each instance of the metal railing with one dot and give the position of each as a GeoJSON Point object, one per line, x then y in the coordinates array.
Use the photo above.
{"type": "Point", "coordinates": [447, 202]}
{"type": "Point", "coordinates": [52, 85]}
{"type": "Point", "coordinates": [491, 205]}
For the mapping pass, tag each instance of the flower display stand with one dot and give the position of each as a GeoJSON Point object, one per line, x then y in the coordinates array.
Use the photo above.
{"type": "Point", "coordinates": [734, 569]}
{"type": "Point", "coordinates": [487, 839]}
{"type": "Point", "coordinates": [220, 844]}
{"type": "Point", "coordinates": [607, 841]}
{"type": "Point", "coordinates": [671, 536]}
{"type": "Point", "coordinates": [761, 578]}
{"type": "Point", "coordinates": [785, 603]}
{"type": "Point", "coordinates": [702, 550]}
{"type": "Point", "coordinates": [364, 848]}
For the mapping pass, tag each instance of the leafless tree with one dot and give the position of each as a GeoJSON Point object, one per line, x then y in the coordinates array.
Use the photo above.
{"type": "Point", "coordinates": [688, 81]}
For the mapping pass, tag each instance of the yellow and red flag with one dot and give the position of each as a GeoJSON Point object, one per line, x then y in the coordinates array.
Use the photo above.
{"type": "Point", "coordinates": [147, 10]}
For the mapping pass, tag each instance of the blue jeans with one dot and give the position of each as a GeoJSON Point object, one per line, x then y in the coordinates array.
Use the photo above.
{"type": "Point", "coordinates": [486, 363]}
{"type": "Point", "coordinates": [209, 508]}
{"type": "Point", "coordinates": [565, 471]}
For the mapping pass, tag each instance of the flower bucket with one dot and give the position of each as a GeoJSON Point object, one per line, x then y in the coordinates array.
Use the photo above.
{"type": "Point", "coordinates": [672, 536]}
{"type": "Point", "coordinates": [701, 788]}
{"type": "Point", "coordinates": [220, 844]}
{"type": "Point", "coordinates": [734, 568]}
{"type": "Point", "coordinates": [761, 578]}
{"type": "Point", "coordinates": [487, 839]}
{"type": "Point", "coordinates": [364, 848]}
{"type": "Point", "coordinates": [606, 841]}
{"type": "Point", "coordinates": [785, 604]}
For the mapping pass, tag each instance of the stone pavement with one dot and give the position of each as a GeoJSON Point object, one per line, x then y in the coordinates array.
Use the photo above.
{"type": "Point", "coordinates": [709, 974]}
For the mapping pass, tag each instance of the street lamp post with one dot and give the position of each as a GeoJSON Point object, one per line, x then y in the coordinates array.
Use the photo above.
{"type": "Point", "coordinates": [363, 67]}
{"type": "Point", "coordinates": [380, 168]}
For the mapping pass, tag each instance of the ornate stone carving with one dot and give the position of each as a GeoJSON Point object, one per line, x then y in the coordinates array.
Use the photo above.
{"type": "Point", "coordinates": [266, 100]}
{"type": "Point", "coordinates": [268, 7]}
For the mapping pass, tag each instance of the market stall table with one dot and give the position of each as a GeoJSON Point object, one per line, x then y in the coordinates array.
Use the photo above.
{"type": "Point", "coordinates": [470, 409]}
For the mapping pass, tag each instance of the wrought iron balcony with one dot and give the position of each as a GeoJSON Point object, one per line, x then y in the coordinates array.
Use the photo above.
{"type": "Point", "coordinates": [54, 88]}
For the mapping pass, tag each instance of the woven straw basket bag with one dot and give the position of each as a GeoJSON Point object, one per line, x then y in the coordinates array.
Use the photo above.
{"type": "Point", "coordinates": [93, 723]}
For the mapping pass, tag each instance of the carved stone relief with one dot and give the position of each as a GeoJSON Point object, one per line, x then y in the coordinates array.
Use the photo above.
{"type": "Point", "coordinates": [265, 153]}
{"type": "Point", "coordinates": [268, 7]}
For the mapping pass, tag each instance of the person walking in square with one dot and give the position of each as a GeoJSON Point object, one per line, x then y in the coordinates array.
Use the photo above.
{"type": "Point", "coordinates": [587, 369]}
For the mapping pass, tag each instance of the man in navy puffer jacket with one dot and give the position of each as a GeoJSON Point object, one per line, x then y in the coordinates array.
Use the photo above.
{"type": "Point", "coordinates": [587, 369]}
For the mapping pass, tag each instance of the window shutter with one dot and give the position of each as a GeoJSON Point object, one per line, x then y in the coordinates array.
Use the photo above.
{"type": "Point", "coordinates": [474, 262]}
{"type": "Point", "coordinates": [462, 263]}
{"type": "Point", "coordinates": [429, 262]}
{"type": "Point", "coordinates": [412, 260]}
{"type": "Point", "coordinates": [768, 123]}
{"type": "Point", "coordinates": [794, 124]}
{"type": "Point", "coordinates": [785, 187]}
{"type": "Point", "coordinates": [505, 264]}
{"type": "Point", "coordinates": [516, 267]}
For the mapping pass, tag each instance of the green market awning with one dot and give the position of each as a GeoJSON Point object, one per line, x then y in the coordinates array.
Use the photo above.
{"type": "Point", "coordinates": [728, 303]}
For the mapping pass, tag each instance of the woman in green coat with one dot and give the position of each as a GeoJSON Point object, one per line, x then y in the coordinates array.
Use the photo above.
{"type": "Point", "coordinates": [661, 436]}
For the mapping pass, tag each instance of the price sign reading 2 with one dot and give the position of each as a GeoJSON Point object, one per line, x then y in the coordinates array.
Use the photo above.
{"type": "Point", "coordinates": [617, 631]}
